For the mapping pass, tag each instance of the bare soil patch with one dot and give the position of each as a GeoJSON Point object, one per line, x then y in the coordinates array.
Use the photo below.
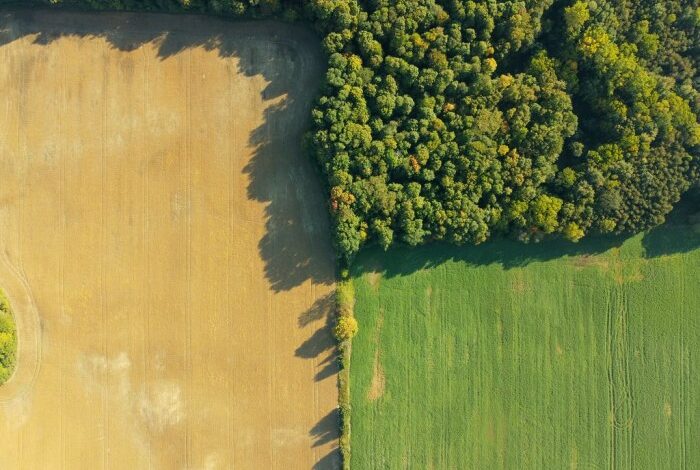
{"type": "Point", "coordinates": [378, 384]}
{"type": "Point", "coordinates": [161, 235]}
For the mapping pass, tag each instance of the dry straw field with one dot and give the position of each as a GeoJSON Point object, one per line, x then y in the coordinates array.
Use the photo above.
{"type": "Point", "coordinates": [164, 244]}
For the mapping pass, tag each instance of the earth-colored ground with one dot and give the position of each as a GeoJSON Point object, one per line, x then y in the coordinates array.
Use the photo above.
{"type": "Point", "coordinates": [164, 244]}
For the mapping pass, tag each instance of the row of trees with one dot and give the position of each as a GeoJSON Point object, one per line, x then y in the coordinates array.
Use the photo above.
{"type": "Point", "coordinates": [456, 120]}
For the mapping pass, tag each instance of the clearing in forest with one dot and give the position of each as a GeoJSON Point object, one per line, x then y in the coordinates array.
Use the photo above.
{"type": "Point", "coordinates": [164, 245]}
{"type": "Point", "coordinates": [529, 356]}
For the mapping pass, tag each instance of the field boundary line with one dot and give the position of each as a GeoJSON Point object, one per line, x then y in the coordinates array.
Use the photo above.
{"type": "Point", "coordinates": [229, 256]}
{"type": "Point", "coordinates": [609, 370]}
{"type": "Point", "coordinates": [147, 256]}
{"type": "Point", "coordinates": [62, 263]}
{"type": "Point", "coordinates": [684, 369]}
{"type": "Point", "coordinates": [188, 310]}
{"type": "Point", "coordinates": [103, 258]}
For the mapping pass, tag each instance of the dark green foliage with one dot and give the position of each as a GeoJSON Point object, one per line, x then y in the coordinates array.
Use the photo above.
{"type": "Point", "coordinates": [455, 120]}
{"type": "Point", "coordinates": [474, 123]}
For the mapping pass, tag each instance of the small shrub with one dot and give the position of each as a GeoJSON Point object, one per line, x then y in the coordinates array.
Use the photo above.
{"type": "Point", "coordinates": [346, 328]}
{"type": "Point", "coordinates": [7, 324]}
{"type": "Point", "coordinates": [7, 349]}
{"type": "Point", "coordinates": [8, 340]}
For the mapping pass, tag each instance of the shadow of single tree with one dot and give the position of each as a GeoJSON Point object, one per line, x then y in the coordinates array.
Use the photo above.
{"type": "Point", "coordinates": [330, 461]}
{"type": "Point", "coordinates": [327, 429]}
{"type": "Point", "coordinates": [331, 366]}
{"type": "Point", "coordinates": [321, 308]}
{"type": "Point", "coordinates": [321, 341]}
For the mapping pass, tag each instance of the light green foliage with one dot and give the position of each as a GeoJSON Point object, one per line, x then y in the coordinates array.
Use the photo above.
{"type": "Point", "coordinates": [544, 212]}
{"type": "Point", "coordinates": [345, 328]}
{"type": "Point", "coordinates": [8, 340]}
{"type": "Point", "coordinates": [521, 356]}
{"type": "Point", "coordinates": [573, 232]}
{"type": "Point", "coordinates": [576, 16]}
{"type": "Point", "coordinates": [345, 297]}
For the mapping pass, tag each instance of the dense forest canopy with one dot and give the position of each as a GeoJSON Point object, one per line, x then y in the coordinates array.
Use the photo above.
{"type": "Point", "coordinates": [457, 120]}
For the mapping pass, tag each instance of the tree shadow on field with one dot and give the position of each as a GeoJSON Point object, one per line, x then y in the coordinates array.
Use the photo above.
{"type": "Point", "coordinates": [330, 461]}
{"type": "Point", "coordinates": [318, 343]}
{"type": "Point", "coordinates": [296, 245]}
{"type": "Point", "coordinates": [321, 342]}
{"type": "Point", "coordinates": [321, 308]}
{"type": "Point", "coordinates": [325, 431]}
{"type": "Point", "coordinates": [403, 260]}
{"type": "Point", "coordinates": [681, 231]}
{"type": "Point", "coordinates": [679, 234]}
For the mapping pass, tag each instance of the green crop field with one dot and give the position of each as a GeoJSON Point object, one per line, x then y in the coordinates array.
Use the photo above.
{"type": "Point", "coordinates": [529, 356]}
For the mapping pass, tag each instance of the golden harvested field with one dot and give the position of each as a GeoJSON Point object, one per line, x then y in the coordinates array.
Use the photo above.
{"type": "Point", "coordinates": [163, 242]}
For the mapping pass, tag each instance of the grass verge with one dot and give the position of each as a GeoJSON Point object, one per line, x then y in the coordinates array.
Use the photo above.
{"type": "Point", "coordinates": [345, 329]}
